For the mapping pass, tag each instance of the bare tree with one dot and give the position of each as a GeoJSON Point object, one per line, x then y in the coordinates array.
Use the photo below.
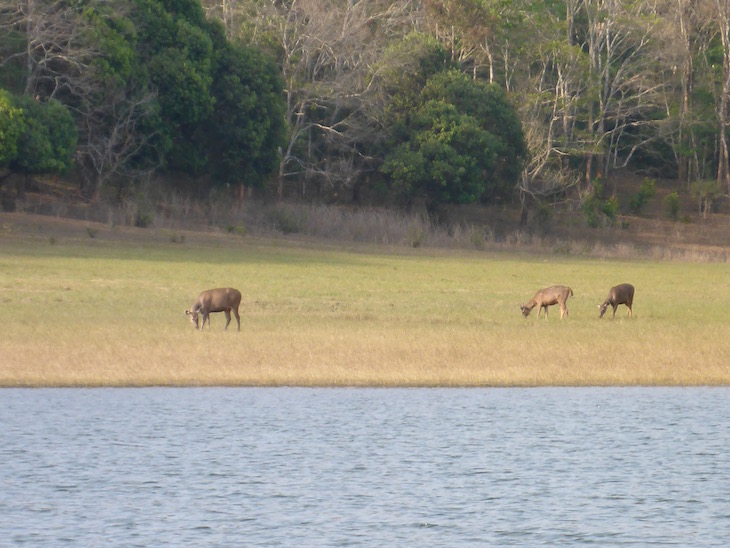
{"type": "Point", "coordinates": [225, 11]}
{"type": "Point", "coordinates": [112, 139]}
{"type": "Point", "coordinates": [621, 41]}
{"type": "Point", "coordinates": [56, 51]}
{"type": "Point", "coordinates": [550, 99]}
{"type": "Point", "coordinates": [59, 61]}
{"type": "Point", "coordinates": [684, 15]}
{"type": "Point", "coordinates": [480, 35]}
{"type": "Point", "coordinates": [722, 18]}
{"type": "Point", "coordinates": [329, 52]}
{"type": "Point", "coordinates": [595, 80]}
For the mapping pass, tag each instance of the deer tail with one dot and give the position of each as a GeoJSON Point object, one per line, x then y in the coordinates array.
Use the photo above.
{"type": "Point", "coordinates": [571, 292]}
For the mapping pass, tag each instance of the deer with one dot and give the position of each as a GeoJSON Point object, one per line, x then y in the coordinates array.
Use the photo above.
{"type": "Point", "coordinates": [556, 294]}
{"type": "Point", "coordinates": [619, 294]}
{"type": "Point", "coordinates": [223, 299]}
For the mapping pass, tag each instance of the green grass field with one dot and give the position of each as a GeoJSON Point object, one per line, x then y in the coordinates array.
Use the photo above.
{"type": "Point", "coordinates": [85, 311]}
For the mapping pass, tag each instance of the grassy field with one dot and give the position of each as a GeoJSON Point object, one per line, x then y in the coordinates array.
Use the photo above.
{"type": "Point", "coordinates": [109, 310]}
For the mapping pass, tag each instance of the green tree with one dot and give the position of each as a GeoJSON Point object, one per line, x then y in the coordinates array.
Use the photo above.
{"type": "Point", "coordinates": [176, 50]}
{"type": "Point", "coordinates": [220, 106]}
{"type": "Point", "coordinates": [48, 141]}
{"type": "Point", "coordinates": [11, 127]}
{"type": "Point", "coordinates": [405, 68]}
{"type": "Point", "coordinates": [445, 159]}
{"type": "Point", "coordinates": [248, 125]}
{"type": "Point", "coordinates": [488, 104]}
{"type": "Point", "coordinates": [463, 142]}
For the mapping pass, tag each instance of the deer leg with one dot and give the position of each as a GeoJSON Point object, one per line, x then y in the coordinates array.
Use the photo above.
{"type": "Point", "coordinates": [615, 306]}
{"type": "Point", "coordinates": [238, 318]}
{"type": "Point", "coordinates": [228, 317]}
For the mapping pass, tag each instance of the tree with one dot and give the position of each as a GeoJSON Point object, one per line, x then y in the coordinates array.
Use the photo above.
{"type": "Point", "coordinates": [175, 46]}
{"type": "Point", "coordinates": [682, 27]}
{"type": "Point", "coordinates": [479, 34]}
{"type": "Point", "coordinates": [220, 108]}
{"type": "Point", "coordinates": [247, 127]}
{"type": "Point", "coordinates": [48, 140]}
{"type": "Point", "coordinates": [625, 92]}
{"type": "Point", "coordinates": [551, 101]}
{"type": "Point", "coordinates": [149, 83]}
{"type": "Point", "coordinates": [463, 142]}
{"type": "Point", "coordinates": [444, 160]}
{"type": "Point", "coordinates": [329, 56]}
{"type": "Point", "coordinates": [489, 105]}
{"type": "Point", "coordinates": [11, 127]}
{"type": "Point", "coordinates": [82, 54]}
{"type": "Point", "coordinates": [722, 15]}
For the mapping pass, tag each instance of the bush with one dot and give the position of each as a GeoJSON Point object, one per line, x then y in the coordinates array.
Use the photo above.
{"type": "Point", "coordinates": [671, 203]}
{"type": "Point", "coordinates": [647, 190]}
{"type": "Point", "coordinates": [143, 219]}
{"type": "Point", "coordinates": [288, 220]}
{"type": "Point", "coordinates": [598, 212]}
{"type": "Point", "coordinates": [237, 229]}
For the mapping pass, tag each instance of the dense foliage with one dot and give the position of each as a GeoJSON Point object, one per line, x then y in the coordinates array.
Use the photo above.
{"type": "Point", "coordinates": [448, 101]}
{"type": "Point", "coordinates": [47, 141]}
{"type": "Point", "coordinates": [11, 126]}
{"type": "Point", "coordinates": [35, 137]}
{"type": "Point", "coordinates": [152, 85]}
{"type": "Point", "coordinates": [461, 141]}
{"type": "Point", "coordinates": [598, 86]}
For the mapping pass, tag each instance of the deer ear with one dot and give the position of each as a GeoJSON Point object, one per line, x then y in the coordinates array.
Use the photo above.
{"type": "Point", "coordinates": [187, 312]}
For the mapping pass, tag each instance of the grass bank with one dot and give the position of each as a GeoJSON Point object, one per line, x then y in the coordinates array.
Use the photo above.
{"type": "Point", "coordinates": [109, 311]}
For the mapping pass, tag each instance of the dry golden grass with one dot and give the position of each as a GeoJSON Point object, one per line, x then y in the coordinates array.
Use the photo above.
{"type": "Point", "coordinates": [109, 311]}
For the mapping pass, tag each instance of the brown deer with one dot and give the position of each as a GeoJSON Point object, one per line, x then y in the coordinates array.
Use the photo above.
{"type": "Point", "coordinates": [556, 294]}
{"type": "Point", "coordinates": [620, 294]}
{"type": "Point", "coordinates": [224, 299]}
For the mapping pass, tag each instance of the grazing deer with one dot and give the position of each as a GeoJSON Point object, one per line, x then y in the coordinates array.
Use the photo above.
{"type": "Point", "coordinates": [620, 294]}
{"type": "Point", "coordinates": [556, 294]}
{"type": "Point", "coordinates": [224, 299]}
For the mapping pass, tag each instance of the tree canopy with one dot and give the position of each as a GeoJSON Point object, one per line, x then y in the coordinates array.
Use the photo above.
{"type": "Point", "coordinates": [461, 143]}
{"type": "Point", "coordinates": [47, 141]}
{"type": "Point", "coordinates": [11, 126]}
{"type": "Point", "coordinates": [446, 100]}
{"type": "Point", "coordinates": [152, 86]}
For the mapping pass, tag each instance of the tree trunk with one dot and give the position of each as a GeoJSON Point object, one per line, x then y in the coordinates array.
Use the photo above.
{"type": "Point", "coordinates": [723, 13]}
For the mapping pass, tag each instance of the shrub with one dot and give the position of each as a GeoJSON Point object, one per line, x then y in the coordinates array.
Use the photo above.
{"type": "Point", "coordinates": [143, 219]}
{"type": "Point", "coordinates": [671, 203]}
{"type": "Point", "coordinates": [647, 190]}
{"type": "Point", "coordinates": [287, 220]}
{"type": "Point", "coordinates": [237, 229]}
{"type": "Point", "coordinates": [598, 212]}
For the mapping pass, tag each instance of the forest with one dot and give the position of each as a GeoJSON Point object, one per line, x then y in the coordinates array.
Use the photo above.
{"type": "Point", "coordinates": [430, 101]}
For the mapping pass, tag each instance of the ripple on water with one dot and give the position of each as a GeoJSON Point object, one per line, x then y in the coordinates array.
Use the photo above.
{"type": "Point", "coordinates": [365, 466]}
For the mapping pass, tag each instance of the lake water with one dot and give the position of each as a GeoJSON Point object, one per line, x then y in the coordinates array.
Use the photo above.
{"type": "Point", "coordinates": [373, 467]}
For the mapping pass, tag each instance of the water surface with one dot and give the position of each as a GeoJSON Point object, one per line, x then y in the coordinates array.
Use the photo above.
{"type": "Point", "coordinates": [377, 467]}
